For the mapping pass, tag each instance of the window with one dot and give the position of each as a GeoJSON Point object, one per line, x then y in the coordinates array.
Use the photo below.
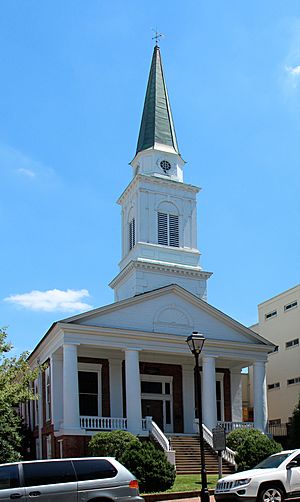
{"type": "Point", "coordinates": [48, 393]}
{"type": "Point", "coordinates": [274, 386]}
{"type": "Point", "coordinates": [291, 305]}
{"type": "Point", "coordinates": [48, 473]}
{"type": "Point", "coordinates": [292, 381]}
{"type": "Point", "coordinates": [275, 421]}
{"type": "Point", "coordinates": [9, 478]}
{"type": "Point", "coordinates": [88, 382]}
{"type": "Point", "coordinates": [36, 403]}
{"type": "Point", "coordinates": [292, 343]}
{"type": "Point", "coordinates": [271, 314]}
{"type": "Point", "coordinates": [49, 447]}
{"type": "Point", "coordinates": [132, 233]}
{"type": "Point", "coordinates": [94, 469]}
{"type": "Point", "coordinates": [168, 229]}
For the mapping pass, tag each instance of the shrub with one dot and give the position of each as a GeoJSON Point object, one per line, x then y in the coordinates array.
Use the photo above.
{"type": "Point", "coordinates": [251, 446]}
{"type": "Point", "coordinates": [146, 462]}
{"type": "Point", "coordinates": [295, 427]}
{"type": "Point", "coordinates": [150, 466]}
{"type": "Point", "coordinates": [111, 444]}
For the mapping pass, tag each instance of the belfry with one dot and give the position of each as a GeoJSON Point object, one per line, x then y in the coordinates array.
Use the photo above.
{"type": "Point", "coordinates": [159, 211]}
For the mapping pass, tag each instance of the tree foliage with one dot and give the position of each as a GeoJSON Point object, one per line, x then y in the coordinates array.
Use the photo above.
{"type": "Point", "coordinates": [146, 461]}
{"type": "Point", "coordinates": [15, 377]}
{"type": "Point", "coordinates": [295, 427]}
{"type": "Point", "coordinates": [251, 447]}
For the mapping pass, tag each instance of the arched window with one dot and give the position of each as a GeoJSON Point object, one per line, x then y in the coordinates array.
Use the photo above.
{"type": "Point", "coordinates": [168, 225]}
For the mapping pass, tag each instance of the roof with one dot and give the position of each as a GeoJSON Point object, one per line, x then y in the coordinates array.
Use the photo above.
{"type": "Point", "coordinates": [157, 123]}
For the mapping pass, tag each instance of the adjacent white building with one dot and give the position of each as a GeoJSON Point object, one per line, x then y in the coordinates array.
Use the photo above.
{"type": "Point", "coordinates": [279, 321]}
{"type": "Point", "coordinates": [127, 365]}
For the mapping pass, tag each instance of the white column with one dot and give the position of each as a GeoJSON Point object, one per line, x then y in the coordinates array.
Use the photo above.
{"type": "Point", "coordinates": [70, 388]}
{"type": "Point", "coordinates": [133, 391]}
{"type": "Point", "coordinates": [188, 398]}
{"type": "Point", "coordinates": [236, 394]}
{"type": "Point", "coordinates": [115, 388]}
{"type": "Point", "coordinates": [56, 372]}
{"type": "Point", "coordinates": [260, 395]}
{"type": "Point", "coordinates": [209, 400]}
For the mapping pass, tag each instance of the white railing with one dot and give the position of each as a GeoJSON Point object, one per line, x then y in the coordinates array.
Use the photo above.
{"type": "Point", "coordinates": [231, 426]}
{"type": "Point", "coordinates": [227, 454]}
{"type": "Point", "coordinates": [103, 423]}
{"type": "Point", "coordinates": [158, 434]}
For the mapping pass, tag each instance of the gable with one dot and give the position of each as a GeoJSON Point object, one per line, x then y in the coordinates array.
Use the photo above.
{"type": "Point", "coordinates": [169, 312]}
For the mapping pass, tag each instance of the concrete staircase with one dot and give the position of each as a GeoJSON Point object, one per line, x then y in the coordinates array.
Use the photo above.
{"type": "Point", "coordinates": [187, 456]}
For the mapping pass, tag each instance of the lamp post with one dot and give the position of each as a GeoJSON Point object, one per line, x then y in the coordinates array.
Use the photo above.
{"type": "Point", "coordinates": [195, 343]}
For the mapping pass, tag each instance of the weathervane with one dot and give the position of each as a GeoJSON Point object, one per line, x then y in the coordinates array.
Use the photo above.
{"type": "Point", "coordinates": [157, 36]}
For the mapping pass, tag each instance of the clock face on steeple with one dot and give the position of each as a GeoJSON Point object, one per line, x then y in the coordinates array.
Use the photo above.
{"type": "Point", "coordinates": [165, 165]}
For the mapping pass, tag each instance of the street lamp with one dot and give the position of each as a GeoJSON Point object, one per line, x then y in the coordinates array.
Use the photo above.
{"type": "Point", "coordinates": [195, 343]}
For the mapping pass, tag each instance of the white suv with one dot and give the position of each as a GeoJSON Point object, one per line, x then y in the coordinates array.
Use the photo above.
{"type": "Point", "coordinates": [276, 478]}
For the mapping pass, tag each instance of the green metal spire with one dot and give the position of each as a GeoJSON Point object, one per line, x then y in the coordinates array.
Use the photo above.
{"type": "Point", "coordinates": [157, 123]}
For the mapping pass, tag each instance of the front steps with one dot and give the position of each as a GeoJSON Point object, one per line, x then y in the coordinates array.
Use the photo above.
{"type": "Point", "coordinates": [187, 456]}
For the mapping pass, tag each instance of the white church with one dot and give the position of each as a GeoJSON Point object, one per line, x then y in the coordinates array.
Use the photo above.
{"type": "Point", "coordinates": [127, 365]}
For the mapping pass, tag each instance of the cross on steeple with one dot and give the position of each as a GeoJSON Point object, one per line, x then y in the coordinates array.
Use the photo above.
{"type": "Point", "coordinates": [157, 36]}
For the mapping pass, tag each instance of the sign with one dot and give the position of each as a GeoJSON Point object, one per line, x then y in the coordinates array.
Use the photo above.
{"type": "Point", "coordinates": [219, 438]}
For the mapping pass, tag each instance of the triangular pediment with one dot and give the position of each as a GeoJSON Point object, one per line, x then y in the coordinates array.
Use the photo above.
{"type": "Point", "coordinates": [170, 310]}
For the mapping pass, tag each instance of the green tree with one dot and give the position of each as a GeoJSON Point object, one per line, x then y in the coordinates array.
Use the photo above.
{"type": "Point", "coordinates": [251, 447]}
{"type": "Point", "coordinates": [15, 378]}
{"type": "Point", "coordinates": [295, 427]}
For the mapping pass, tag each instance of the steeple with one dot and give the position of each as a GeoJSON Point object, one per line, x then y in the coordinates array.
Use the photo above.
{"type": "Point", "coordinates": [157, 127]}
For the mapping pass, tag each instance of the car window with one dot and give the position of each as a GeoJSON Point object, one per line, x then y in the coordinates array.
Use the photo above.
{"type": "Point", "coordinates": [47, 473]}
{"type": "Point", "coordinates": [94, 469]}
{"type": "Point", "coordinates": [272, 461]}
{"type": "Point", "coordinates": [9, 477]}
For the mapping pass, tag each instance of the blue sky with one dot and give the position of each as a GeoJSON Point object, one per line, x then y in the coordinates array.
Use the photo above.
{"type": "Point", "coordinates": [74, 76]}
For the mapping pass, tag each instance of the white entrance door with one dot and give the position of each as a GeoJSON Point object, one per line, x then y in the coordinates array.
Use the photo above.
{"type": "Point", "coordinates": [157, 400]}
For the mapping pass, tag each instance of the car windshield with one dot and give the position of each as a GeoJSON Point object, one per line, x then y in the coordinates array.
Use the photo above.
{"type": "Point", "coordinates": [273, 461]}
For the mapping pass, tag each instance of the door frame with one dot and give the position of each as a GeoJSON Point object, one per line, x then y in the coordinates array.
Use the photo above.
{"type": "Point", "coordinates": [161, 397]}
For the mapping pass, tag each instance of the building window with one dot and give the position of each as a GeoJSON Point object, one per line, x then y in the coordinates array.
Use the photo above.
{"type": "Point", "coordinates": [168, 229]}
{"type": "Point", "coordinates": [275, 421]}
{"type": "Point", "coordinates": [292, 343]}
{"type": "Point", "coordinates": [274, 386]}
{"type": "Point", "coordinates": [36, 403]}
{"type": "Point", "coordinates": [292, 381]}
{"type": "Point", "coordinates": [48, 447]}
{"type": "Point", "coordinates": [132, 233]}
{"type": "Point", "coordinates": [48, 393]}
{"type": "Point", "coordinates": [290, 306]}
{"type": "Point", "coordinates": [271, 314]}
{"type": "Point", "coordinates": [88, 382]}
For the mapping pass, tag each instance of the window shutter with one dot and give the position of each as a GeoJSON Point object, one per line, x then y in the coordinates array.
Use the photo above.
{"type": "Point", "coordinates": [132, 233]}
{"type": "Point", "coordinates": [163, 229]}
{"type": "Point", "coordinates": [173, 230]}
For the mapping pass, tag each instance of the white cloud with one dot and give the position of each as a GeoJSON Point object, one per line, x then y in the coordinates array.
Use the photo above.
{"type": "Point", "coordinates": [15, 161]}
{"type": "Point", "coordinates": [293, 70]}
{"type": "Point", "coordinates": [53, 300]}
{"type": "Point", "coordinates": [26, 172]}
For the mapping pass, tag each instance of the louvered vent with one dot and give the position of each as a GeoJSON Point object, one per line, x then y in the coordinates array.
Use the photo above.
{"type": "Point", "coordinates": [163, 229]}
{"type": "Point", "coordinates": [132, 233]}
{"type": "Point", "coordinates": [168, 230]}
{"type": "Point", "coordinates": [173, 230]}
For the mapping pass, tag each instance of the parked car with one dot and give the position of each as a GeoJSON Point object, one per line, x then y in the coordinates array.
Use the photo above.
{"type": "Point", "coordinates": [68, 480]}
{"type": "Point", "coordinates": [274, 479]}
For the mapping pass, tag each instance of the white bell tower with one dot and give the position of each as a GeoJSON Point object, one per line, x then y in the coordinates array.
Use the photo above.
{"type": "Point", "coordinates": [159, 211]}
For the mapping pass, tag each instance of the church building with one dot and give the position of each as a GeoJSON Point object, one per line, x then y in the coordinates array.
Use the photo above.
{"type": "Point", "coordinates": [127, 365]}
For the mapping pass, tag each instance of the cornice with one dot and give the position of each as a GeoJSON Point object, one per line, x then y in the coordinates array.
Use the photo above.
{"type": "Point", "coordinates": [183, 270]}
{"type": "Point", "coordinates": [160, 180]}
